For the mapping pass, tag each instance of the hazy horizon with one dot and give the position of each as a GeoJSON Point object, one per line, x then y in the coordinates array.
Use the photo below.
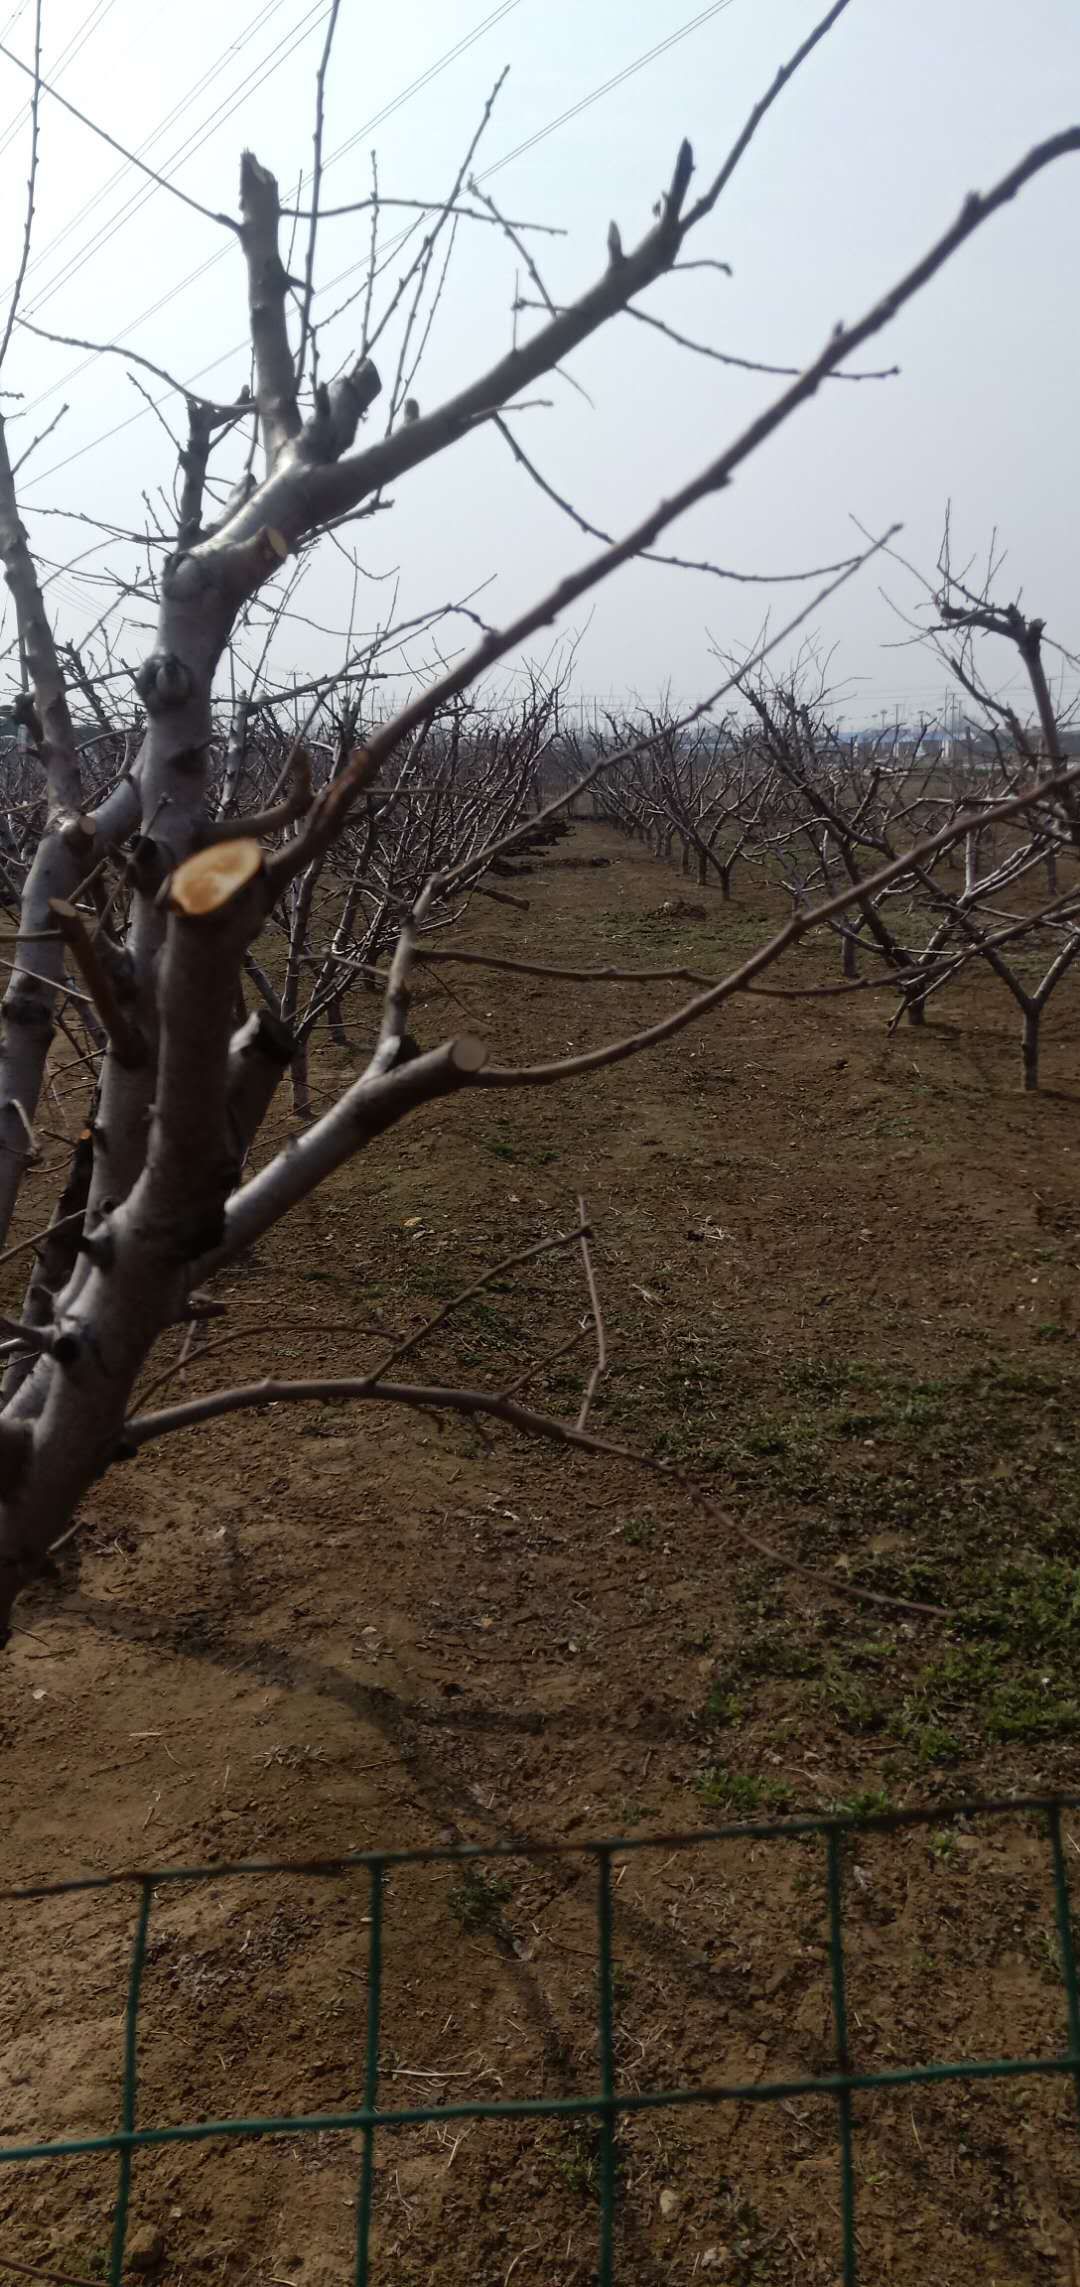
{"type": "Point", "coordinates": [862, 163]}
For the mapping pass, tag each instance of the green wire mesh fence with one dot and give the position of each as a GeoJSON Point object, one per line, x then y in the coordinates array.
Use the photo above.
{"type": "Point", "coordinates": [608, 2102]}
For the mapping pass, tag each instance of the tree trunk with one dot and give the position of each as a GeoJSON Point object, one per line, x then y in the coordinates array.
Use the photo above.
{"type": "Point", "coordinates": [1029, 1046]}
{"type": "Point", "coordinates": [301, 1090]}
{"type": "Point", "coordinates": [971, 862]}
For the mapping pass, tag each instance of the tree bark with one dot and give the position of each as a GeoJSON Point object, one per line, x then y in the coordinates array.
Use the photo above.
{"type": "Point", "coordinates": [1029, 1045]}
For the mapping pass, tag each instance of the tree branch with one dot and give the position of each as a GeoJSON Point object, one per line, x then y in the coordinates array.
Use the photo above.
{"type": "Point", "coordinates": [316, 186]}
{"type": "Point", "coordinates": [31, 190]}
{"type": "Point", "coordinates": [616, 1051]}
{"type": "Point", "coordinates": [761, 109]}
{"type": "Point", "coordinates": [279, 412]}
{"type": "Point", "coordinates": [295, 804]}
{"type": "Point", "coordinates": [216, 411]}
{"type": "Point", "coordinates": [331, 489]}
{"type": "Point", "coordinates": [120, 1026]}
{"type": "Point", "coordinates": [142, 1428]}
{"type": "Point", "coordinates": [600, 1364]}
{"type": "Point", "coordinates": [131, 158]}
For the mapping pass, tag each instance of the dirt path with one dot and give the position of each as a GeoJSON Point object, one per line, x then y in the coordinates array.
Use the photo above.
{"type": "Point", "coordinates": [839, 1282]}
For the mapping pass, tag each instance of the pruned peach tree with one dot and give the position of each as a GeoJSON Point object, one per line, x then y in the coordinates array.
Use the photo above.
{"type": "Point", "coordinates": [143, 904]}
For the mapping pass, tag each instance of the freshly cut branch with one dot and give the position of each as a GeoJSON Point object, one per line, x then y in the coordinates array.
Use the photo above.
{"type": "Point", "coordinates": [365, 1111]}
{"type": "Point", "coordinates": [208, 882]}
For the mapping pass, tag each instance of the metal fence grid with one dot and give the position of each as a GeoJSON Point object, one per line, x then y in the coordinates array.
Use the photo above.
{"type": "Point", "coordinates": [607, 2104]}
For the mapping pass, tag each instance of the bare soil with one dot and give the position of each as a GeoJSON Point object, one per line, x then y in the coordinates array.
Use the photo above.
{"type": "Point", "coordinates": [839, 1280]}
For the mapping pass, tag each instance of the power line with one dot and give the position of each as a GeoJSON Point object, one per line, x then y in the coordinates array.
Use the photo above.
{"type": "Point", "coordinates": [47, 87]}
{"type": "Point", "coordinates": [83, 32]}
{"type": "Point", "coordinates": [138, 200]}
{"type": "Point", "coordinates": [14, 18]}
{"type": "Point", "coordinates": [417, 85]}
{"type": "Point", "coordinates": [267, 9]}
{"type": "Point", "coordinates": [594, 96]}
{"type": "Point", "coordinates": [271, 63]}
{"type": "Point", "coordinates": [217, 119]}
{"type": "Point", "coordinates": [606, 87]}
{"type": "Point", "coordinates": [414, 87]}
{"type": "Point", "coordinates": [651, 56]}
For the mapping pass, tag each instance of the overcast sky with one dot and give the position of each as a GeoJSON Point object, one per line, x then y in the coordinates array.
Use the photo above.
{"type": "Point", "coordinates": [902, 111]}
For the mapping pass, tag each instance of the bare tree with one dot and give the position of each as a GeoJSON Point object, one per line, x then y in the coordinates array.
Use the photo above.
{"type": "Point", "coordinates": [989, 922]}
{"type": "Point", "coordinates": [154, 892]}
{"type": "Point", "coordinates": [828, 809]}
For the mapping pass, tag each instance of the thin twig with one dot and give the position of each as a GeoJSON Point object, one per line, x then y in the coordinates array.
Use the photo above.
{"type": "Point", "coordinates": [35, 2270]}
{"type": "Point", "coordinates": [509, 1262]}
{"type": "Point", "coordinates": [601, 975]}
{"type": "Point", "coordinates": [654, 555]}
{"type": "Point", "coordinates": [130, 157]}
{"type": "Point", "coordinates": [36, 1237]}
{"type": "Point", "coordinates": [244, 1333]}
{"type": "Point", "coordinates": [39, 440]}
{"type": "Point", "coordinates": [484, 1403]}
{"type": "Point", "coordinates": [614, 1052]}
{"type": "Point", "coordinates": [598, 1322]}
{"type": "Point", "coordinates": [135, 357]}
{"type": "Point", "coordinates": [31, 189]}
{"type": "Point", "coordinates": [436, 206]}
{"type": "Point", "coordinates": [316, 186]}
{"type": "Point", "coordinates": [543, 1365]}
{"type": "Point", "coordinates": [746, 364]}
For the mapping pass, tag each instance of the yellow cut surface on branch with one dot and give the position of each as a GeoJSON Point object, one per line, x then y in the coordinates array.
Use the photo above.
{"type": "Point", "coordinates": [207, 882]}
